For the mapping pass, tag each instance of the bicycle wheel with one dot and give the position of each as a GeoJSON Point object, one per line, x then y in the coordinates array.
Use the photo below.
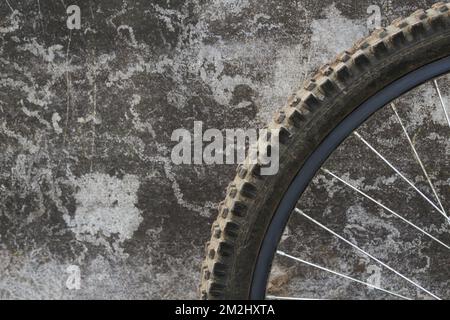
{"type": "Point", "coordinates": [332, 242]}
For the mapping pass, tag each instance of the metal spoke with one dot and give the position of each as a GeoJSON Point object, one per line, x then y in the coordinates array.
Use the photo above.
{"type": "Point", "coordinates": [400, 174]}
{"type": "Point", "coordinates": [418, 159]}
{"type": "Point", "coordinates": [386, 208]}
{"type": "Point", "coordinates": [281, 253]}
{"type": "Point", "coordinates": [435, 198]}
{"type": "Point", "coordinates": [442, 102]}
{"type": "Point", "coordinates": [367, 254]}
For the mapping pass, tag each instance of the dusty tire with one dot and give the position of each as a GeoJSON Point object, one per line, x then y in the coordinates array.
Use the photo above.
{"type": "Point", "coordinates": [310, 114]}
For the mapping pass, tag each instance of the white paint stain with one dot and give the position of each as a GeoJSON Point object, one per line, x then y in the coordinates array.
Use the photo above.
{"type": "Point", "coordinates": [37, 49]}
{"type": "Point", "coordinates": [210, 66]}
{"type": "Point", "coordinates": [220, 9]}
{"type": "Point", "coordinates": [295, 63]}
{"type": "Point", "coordinates": [34, 276]}
{"type": "Point", "coordinates": [14, 22]}
{"type": "Point", "coordinates": [105, 207]}
{"type": "Point", "coordinates": [328, 41]}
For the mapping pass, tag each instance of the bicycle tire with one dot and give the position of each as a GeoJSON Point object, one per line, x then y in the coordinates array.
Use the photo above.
{"type": "Point", "coordinates": [310, 115]}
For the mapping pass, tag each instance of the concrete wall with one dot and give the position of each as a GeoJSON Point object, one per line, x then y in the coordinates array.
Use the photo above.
{"type": "Point", "coordinates": [87, 183]}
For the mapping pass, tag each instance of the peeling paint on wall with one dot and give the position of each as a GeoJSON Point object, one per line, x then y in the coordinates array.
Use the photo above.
{"type": "Point", "coordinates": [105, 208]}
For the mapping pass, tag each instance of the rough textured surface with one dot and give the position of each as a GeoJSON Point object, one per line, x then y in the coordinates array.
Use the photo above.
{"type": "Point", "coordinates": [86, 118]}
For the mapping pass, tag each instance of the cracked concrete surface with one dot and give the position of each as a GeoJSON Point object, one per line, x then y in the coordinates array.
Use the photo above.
{"type": "Point", "coordinates": [86, 118]}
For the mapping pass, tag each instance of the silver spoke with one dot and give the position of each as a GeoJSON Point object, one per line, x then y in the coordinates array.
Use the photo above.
{"type": "Point", "coordinates": [386, 208]}
{"type": "Point", "coordinates": [418, 159]}
{"type": "Point", "coordinates": [367, 254]}
{"type": "Point", "coordinates": [399, 173]}
{"type": "Point", "coordinates": [281, 253]}
{"type": "Point", "coordinates": [442, 102]}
